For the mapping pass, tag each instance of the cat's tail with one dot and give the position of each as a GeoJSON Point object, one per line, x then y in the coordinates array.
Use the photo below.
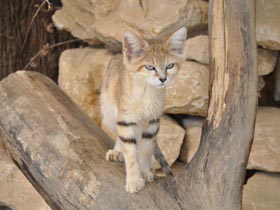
{"type": "Point", "coordinates": [160, 158]}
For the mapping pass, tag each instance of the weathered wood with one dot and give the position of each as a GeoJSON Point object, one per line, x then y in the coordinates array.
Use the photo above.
{"type": "Point", "coordinates": [62, 152]}
{"type": "Point", "coordinates": [215, 176]}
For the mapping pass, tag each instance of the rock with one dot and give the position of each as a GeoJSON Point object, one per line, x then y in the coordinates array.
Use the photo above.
{"type": "Point", "coordinates": [16, 191]}
{"type": "Point", "coordinates": [261, 192]}
{"type": "Point", "coordinates": [150, 19]}
{"type": "Point", "coordinates": [193, 128]}
{"type": "Point", "coordinates": [78, 16]}
{"type": "Point", "coordinates": [169, 139]}
{"type": "Point", "coordinates": [80, 76]}
{"type": "Point", "coordinates": [265, 152]}
{"type": "Point", "coordinates": [188, 92]}
{"type": "Point", "coordinates": [151, 15]}
{"type": "Point", "coordinates": [110, 31]}
{"type": "Point", "coordinates": [266, 61]}
{"type": "Point", "coordinates": [107, 20]}
{"type": "Point", "coordinates": [198, 49]}
{"type": "Point", "coordinates": [268, 24]}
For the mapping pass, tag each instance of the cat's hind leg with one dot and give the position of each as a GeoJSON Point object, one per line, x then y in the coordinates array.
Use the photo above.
{"type": "Point", "coordinates": [145, 152]}
{"type": "Point", "coordinates": [129, 134]}
{"type": "Point", "coordinates": [146, 149]}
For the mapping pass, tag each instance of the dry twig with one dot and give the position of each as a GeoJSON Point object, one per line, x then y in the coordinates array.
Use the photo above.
{"type": "Point", "coordinates": [32, 20]}
{"type": "Point", "coordinates": [44, 50]}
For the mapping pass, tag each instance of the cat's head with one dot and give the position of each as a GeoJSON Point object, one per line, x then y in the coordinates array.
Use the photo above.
{"type": "Point", "coordinates": [154, 62]}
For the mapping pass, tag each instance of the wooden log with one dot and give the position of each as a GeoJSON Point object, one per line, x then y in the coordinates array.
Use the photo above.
{"type": "Point", "coordinates": [216, 173]}
{"type": "Point", "coordinates": [62, 152]}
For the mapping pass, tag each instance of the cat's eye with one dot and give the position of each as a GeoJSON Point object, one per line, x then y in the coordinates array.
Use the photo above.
{"type": "Point", "coordinates": [169, 66]}
{"type": "Point", "coordinates": [150, 67]}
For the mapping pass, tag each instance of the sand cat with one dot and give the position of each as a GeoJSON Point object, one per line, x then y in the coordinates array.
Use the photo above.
{"type": "Point", "coordinates": [132, 97]}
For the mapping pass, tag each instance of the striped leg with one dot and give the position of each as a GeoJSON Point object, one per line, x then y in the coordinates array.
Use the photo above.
{"type": "Point", "coordinates": [116, 153]}
{"type": "Point", "coordinates": [146, 149]}
{"type": "Point", "coordinates": [128, 134]}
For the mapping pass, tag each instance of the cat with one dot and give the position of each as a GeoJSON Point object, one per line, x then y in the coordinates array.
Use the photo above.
{"type": "Point", "coordinates": [132, 97]}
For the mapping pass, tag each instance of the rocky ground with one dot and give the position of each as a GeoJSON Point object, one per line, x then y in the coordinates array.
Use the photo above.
{"type": "Point", "coordinates": [81, 71]}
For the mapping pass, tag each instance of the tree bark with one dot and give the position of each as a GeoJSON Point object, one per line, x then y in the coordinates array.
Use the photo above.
{"type": "Point", "coordinates": [62, 152]}
{"type": "Point", "coordinates": [214, 178]}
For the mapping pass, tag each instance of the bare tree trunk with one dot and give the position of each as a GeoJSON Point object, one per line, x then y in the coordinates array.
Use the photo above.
{"type": "Point", "coordinates": [62, 152]}
{"type": "Point", "coordinates": [214, 178]}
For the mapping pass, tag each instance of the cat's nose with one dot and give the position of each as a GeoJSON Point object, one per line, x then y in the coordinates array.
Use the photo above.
{"type": "Point", "coordinates": [162, 79]}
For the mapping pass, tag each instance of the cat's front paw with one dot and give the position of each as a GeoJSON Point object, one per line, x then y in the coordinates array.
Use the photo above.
{"type": "Point", "coordinates": [135, 185]}
{"type": "Point", "coordinates": [148, 176]}
{"type": "Point", "coordinates": [114, 155]}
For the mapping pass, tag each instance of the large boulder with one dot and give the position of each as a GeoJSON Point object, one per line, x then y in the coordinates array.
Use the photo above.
{"type": "Point", "coordinates": [198, 49]}
{"type": "Point", "coordinates": [262, 192]}
{"type": "Point", "coordinates": [265, 152]}
{"type": "Point", "coordinates": [80, 76]}
{"type": "Point", "coordinates": [188, 92]}
{"type": "Point", "coordinates": [169, 139]}
{"type": "Point", "coordinates": [78, 16]}
{"type": "Point", "coordinates": [266, 61]}
{"type": "Point", "coordinates": [107, 20]}
{"type": "Point", "coordinates": [16, 191]}
{"type": "Point", "coordinates": [268, 24]}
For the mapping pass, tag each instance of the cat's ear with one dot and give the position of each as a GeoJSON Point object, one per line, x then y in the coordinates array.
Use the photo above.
{"type": "Point", "coordinates": [133, 45]}
{"type": "Point", "coordinates": [176, 42]}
